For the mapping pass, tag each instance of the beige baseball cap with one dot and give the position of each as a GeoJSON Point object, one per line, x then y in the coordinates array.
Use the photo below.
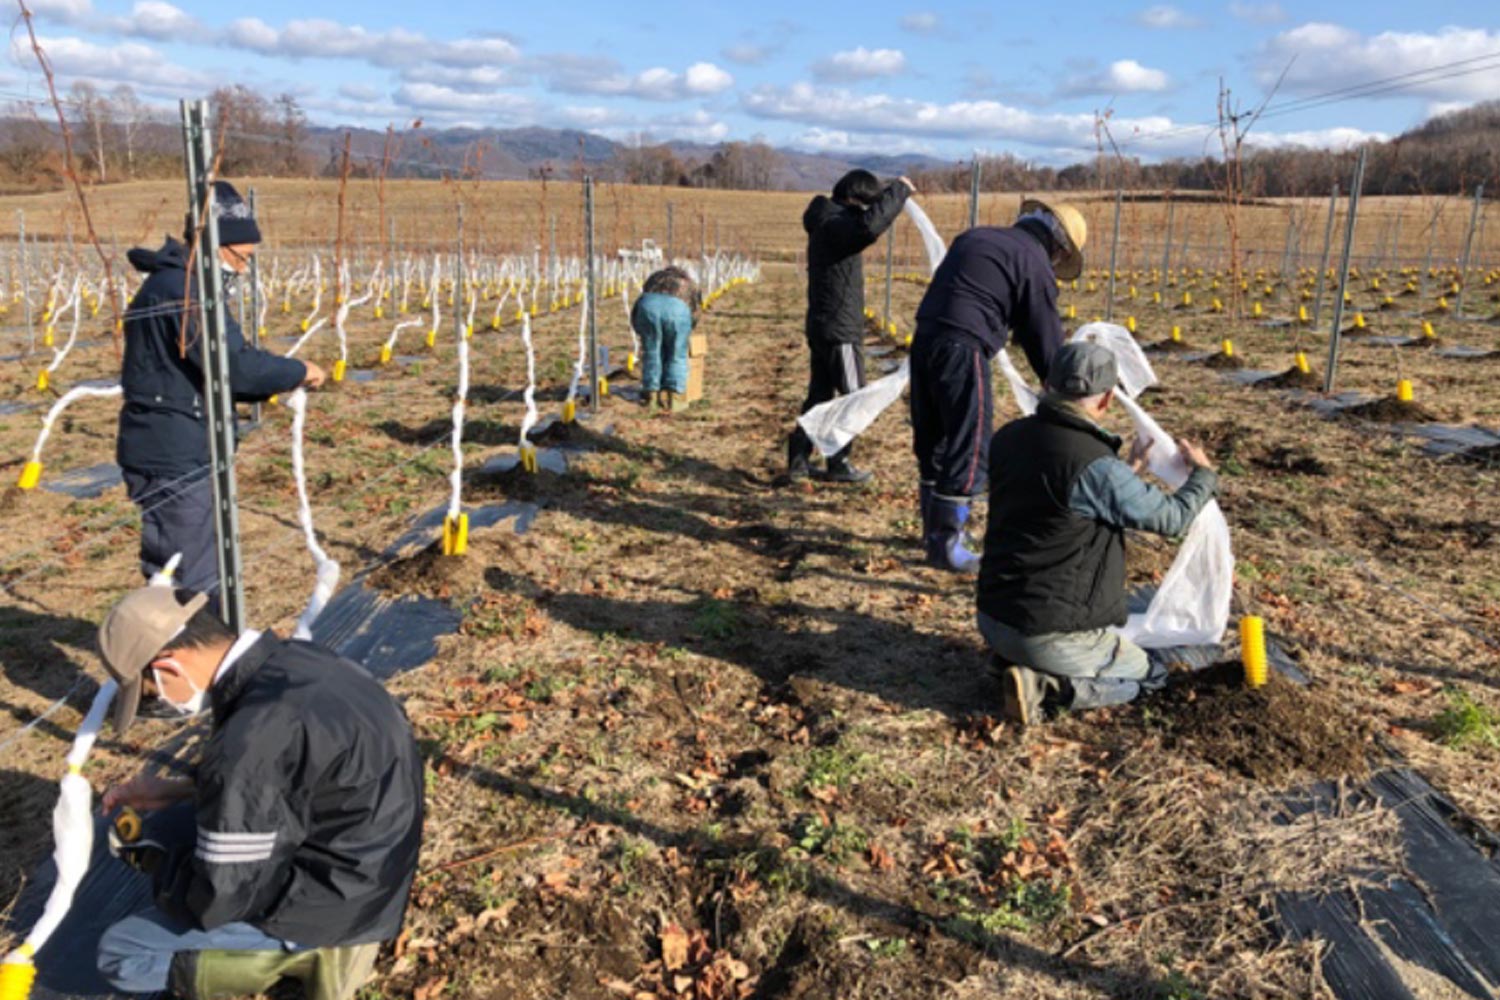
{"type": "Point", "coordinates": [135, 630]}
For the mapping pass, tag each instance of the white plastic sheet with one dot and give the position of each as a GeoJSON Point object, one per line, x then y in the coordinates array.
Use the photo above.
{"type": "Point", "coordinates": [72, 823]}
{"type": "Point", "coordinates": [835, 423]}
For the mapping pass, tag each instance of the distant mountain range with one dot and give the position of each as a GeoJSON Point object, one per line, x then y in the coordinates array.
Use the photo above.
{"type": "Point", "coordinates": [518, 153]}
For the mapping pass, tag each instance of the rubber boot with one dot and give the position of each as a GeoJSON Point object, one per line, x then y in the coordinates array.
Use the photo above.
{"type": "Point", "coordinates": [945, 536]}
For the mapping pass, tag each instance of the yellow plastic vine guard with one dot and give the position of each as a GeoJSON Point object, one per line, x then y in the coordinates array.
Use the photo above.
{"type": "Point", "coordinates": [630, 363]}
{"type": "Point", "coordinates": [1130, 323]}
{"type": "Point", "coordinates": [303, 324]}
{"type": "Point", "coordinates": [42, 380]}
{"type": "Point", "coordinates": [338, 370]}
{"type": "Point", "coordinates": [528, 458]}
{"type": "Point", "coordinates": [455, 535]}
{"type": "Point", "coordinates": [31, 474]}
{"type": "Point", "coordinates": [570, 411]}
{"type": "Point", "coordinates": [1404, 391]}
{"type": "Point", "coordinates": [1301, 362]}
{"type": "Point", "coordinates": [17, 976]}
{"type": "Point", "coordinates": [385, 354]}
{"type": "Point", "coordinates": [1427, 330]}
{"type": "Point", "coordinates": [1253, 650]}
{"type": "Point", "coordinates": [1228, 348]}
{"type": "Point", "coordinates": [431, 338]}
{"type": "Point", "coordinates": [603, 387]}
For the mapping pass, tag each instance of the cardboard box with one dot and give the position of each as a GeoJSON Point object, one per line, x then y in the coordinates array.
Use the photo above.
{"type": "Point", "coordinates": [696, 366]}
{"type": "Point", "coordinates": [697, 345]}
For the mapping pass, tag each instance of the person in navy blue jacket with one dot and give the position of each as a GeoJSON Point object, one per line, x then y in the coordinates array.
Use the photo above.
{"type": "Point", "coordinates": [993, 281]}
{"type": "Point", "coordinates": [162, 443]}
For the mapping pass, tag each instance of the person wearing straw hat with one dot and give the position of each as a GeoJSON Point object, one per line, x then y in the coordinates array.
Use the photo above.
{"type": "Point", "coordinates": [162, 441]}
{"type": "Point", "coordinates": [1052, 578]}
{"type": "Point", "coordinates": [291, 851]}
{"type": "Point", "coordinates": [994, 281]}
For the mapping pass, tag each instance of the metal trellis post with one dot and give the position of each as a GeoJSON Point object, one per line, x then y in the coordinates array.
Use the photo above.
{"type": "Point", "coordinates": [588, 254]}
{"type": "Point", "coordinates": [890, 264]}
{"type": "Point", "coordinates": [26, 284]}
{"type": "Point", "coordinates": [1320, 279]}
{"type": "Point", "coordinates": [1463, 267]}
{"type": "Point", "coordinates": [254, 278]}
{"type": "Point", "coordinates": [1338, 302]}
{"type": "Point", "coordinates": [974, 192]}
{"type": "Point", "coordinates": [1114, 249]}
{"type": "Point", "coordinates": [218, 402]}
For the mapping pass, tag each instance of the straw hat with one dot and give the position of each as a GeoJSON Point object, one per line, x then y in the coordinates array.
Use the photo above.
{"type": "Point", "coordinates": [1072, 224]}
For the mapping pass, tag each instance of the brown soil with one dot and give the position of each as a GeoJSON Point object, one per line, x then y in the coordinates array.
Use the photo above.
{"type": "Point", "coordinates": [1292, 378]}
{"type": "Point", "coordinates": [429, 573]}
{"type": "Point", "coordinates": [1224, 361]}
{"type": "Point", "coordinates": [1389, 410]}
{"type": "Point", "coordinates": [1276, 734]}
{"type": "Point", "coordinates": [1170, 346]}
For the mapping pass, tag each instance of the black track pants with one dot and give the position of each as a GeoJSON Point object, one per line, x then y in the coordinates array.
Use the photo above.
{"type": "Point", "coordinates": [177, 515]}
{"type": "Point", "coordinates": [836, 370]}
{"type": "Point", "coordinates": [952, 407]}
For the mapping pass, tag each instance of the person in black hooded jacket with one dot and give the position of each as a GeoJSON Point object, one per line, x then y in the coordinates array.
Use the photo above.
{"type": "Point", "coordinates": [838, 231]}
{"type": "Point", "coordinates": [162, 442]}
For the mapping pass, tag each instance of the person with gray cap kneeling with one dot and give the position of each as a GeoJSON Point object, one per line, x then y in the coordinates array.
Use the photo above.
{"type": "Point", "coordinates": [291, 851]}
{"type": "Point", "coordinates": [1052, 575]}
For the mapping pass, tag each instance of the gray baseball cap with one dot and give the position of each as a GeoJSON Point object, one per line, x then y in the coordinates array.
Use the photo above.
{"type": "Point", "coordinates": [1082, 369]}
{"type": "Point", "coordinates": [134, 631]}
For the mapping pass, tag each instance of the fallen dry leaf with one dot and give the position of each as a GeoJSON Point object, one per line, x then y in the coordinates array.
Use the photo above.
{"type": "Point", "coordinates": [674, 946]}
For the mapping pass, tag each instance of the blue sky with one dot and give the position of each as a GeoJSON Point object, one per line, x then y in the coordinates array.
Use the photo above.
{"type": "Point", "coordinates": [945, 79]}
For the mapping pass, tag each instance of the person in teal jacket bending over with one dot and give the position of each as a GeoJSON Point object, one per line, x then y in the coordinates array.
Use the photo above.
{"type": "Point", "coordinates": [663, 320]}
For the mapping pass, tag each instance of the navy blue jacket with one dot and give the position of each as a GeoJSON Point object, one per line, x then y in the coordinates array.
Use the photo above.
{"type": "Point", "coordinates": [162, 428]}
{"type": "Point", "coordinates": [994, 280]}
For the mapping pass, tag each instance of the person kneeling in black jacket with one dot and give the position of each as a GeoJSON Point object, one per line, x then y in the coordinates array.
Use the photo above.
{"type": "Point", "coordinates": [838, 231]}
{"type": "Point", "coordinates": [291, 852]}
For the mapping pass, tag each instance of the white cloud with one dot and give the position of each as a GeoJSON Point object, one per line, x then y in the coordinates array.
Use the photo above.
{"type": "Point", "coordinates": [839, 142]}
{"type": "Point", "coordinates": [358, 92]}
{"type": "Point", "coordinates": [127, 62]}
{"type": "Point", "coordinates": [159, 21]}
{"type": "Point", "coordinates": [572, 74]}
{"type": "Point", "coordinates": [1258, 13]}
{"type": "Point", "coordinates": [695, 126]}
{"type": "Point", "coordinates": [1338, 138]}
{"type": "Point", "coordinates": [320, 38]}
{"type": "Point", "coordinates": [860, 64]}
{"type": "Point", "coordinates": [747, 53]}
{"type": "Point", "coordinates": [969, 120]}
{"type": "Point", "coordinates": [1124, 76]}
{"type": "Point", "coordinates": [474, 79]}
{"type": "Point", "coordinates": [491, 108]}
{"type": "Point", "coordinates": [1165, 17]}
{"type": "Point", "coordinates": [705, 78]}
{"type": "Point", "coordinates": [1325, 57]}
{"type": "Point", "coordinates": [66, 11]}
{"type": "Point", "coordinates": [922, 22]}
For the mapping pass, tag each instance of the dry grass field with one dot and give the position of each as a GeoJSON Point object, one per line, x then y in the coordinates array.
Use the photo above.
{"type": "Point", "coordinates": [695, 708]}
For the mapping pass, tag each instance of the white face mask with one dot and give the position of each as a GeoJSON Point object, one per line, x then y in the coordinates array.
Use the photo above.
{"type": "Point", "coordinates": [193, 705]}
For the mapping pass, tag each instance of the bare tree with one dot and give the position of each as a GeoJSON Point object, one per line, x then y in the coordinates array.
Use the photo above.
{"type": "Point", "coordinates": [93, 114]}
{"type": "Point", "coordinates": [130, 115]}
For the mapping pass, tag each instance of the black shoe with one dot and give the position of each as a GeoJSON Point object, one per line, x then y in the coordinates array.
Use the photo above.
{"type": "Point", "coordinates": [797, 470]}
{"type": "Point", "coordinates": [843, 472]}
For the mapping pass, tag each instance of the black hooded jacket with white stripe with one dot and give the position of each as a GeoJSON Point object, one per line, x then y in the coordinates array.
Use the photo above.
{"type": "Point", "coordinates": [308, 803]}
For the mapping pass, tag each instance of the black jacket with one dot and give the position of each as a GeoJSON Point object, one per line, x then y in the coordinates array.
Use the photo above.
{"type": "Point", "coordinates": [162, 429]}
{"type": "Point", "coordinates": [1045, 567]}
{"type": "Point", "coordinates": [308, 803]}
{"type": "Point", "coordinates": [993, 280]}
{"type": "Point", "coordinates": [836, 236]}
